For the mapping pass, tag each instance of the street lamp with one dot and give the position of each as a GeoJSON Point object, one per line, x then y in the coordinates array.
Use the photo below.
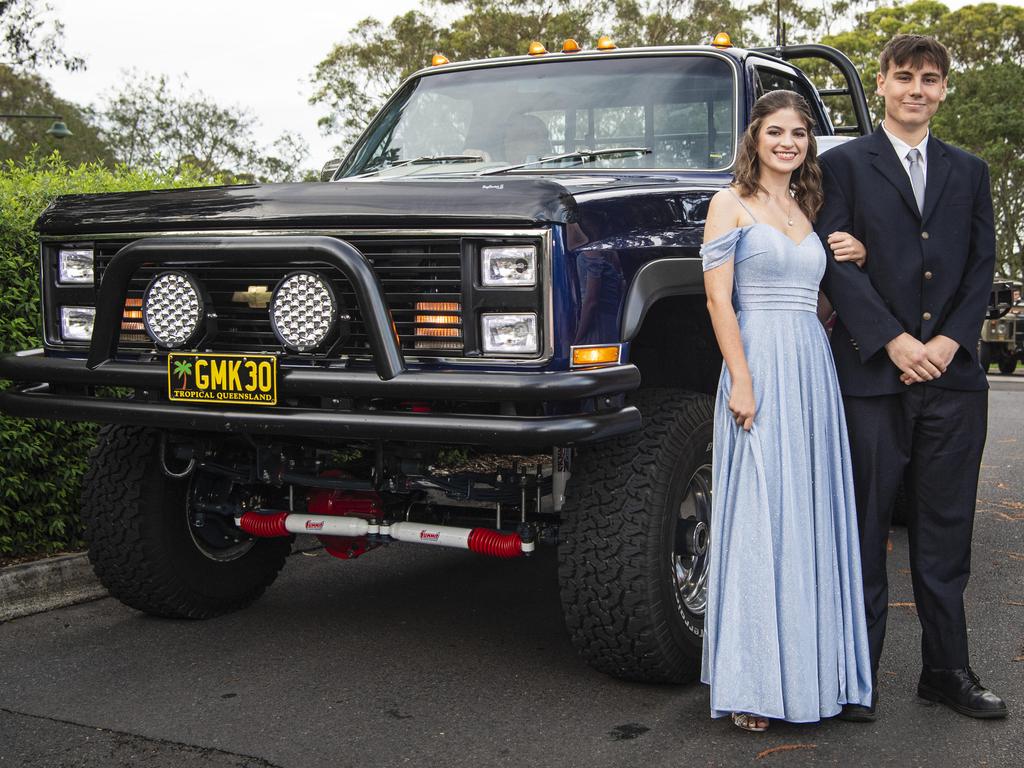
{"type": "Point", "coordinates": [59, 129]}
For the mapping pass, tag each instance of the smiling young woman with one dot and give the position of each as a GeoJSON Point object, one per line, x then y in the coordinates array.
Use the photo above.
{"type": "Point", "coordinates": [785, 635]}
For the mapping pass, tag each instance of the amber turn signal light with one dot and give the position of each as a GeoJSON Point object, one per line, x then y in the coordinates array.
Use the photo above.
{"type": "Point", "coordinates": [436, 320]}
{"type": "Point", "coordinates": [582, 356]}
{"type": "Point", "coordinates": [132, 328]}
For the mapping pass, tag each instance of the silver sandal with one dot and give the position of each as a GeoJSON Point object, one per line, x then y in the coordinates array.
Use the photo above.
{"type": "Point", "coordinates": [749, 722]}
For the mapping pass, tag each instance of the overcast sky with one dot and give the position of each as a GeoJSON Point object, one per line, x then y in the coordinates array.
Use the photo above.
{"type": "Point", "coordinates": [258, 54]}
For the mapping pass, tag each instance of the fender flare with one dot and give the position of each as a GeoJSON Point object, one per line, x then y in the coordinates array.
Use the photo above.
{"type": "Point", "coordinates": [657, 280]}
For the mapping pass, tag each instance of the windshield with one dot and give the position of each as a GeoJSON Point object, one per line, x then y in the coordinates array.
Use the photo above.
{"type": "Point", "coordinates": [679, 109]}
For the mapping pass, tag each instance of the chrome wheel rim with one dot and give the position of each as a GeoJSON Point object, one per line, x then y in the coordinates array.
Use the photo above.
{"type": "Point", "coordinates": [691, 550]}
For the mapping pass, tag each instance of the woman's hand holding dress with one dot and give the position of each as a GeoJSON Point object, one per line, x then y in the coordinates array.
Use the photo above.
{"type": "Point", "coordinates": [742, 404]}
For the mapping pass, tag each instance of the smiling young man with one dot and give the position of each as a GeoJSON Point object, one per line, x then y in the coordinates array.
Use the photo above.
{"type": "Point", "coordinates": [905, 347]}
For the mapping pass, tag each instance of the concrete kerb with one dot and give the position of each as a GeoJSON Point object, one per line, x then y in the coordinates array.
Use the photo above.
{"type": "Point", "coordinates": [57, 582]}
{"type": "Point", "coordinates": [42, 585]}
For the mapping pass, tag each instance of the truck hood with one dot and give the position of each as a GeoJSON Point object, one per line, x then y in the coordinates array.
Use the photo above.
{"type": "Point", "coordinates": [406, 202]}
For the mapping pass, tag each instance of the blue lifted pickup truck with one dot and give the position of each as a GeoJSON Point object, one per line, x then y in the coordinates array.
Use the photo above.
{"type": "Point", "coordinates": [485, 328]}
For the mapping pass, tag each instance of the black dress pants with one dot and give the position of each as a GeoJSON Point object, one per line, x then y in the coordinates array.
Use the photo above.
{"type": "Point", "coordinates": [934, 438]}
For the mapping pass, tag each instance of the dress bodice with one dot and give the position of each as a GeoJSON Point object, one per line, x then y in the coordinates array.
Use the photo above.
{"type": "Point", "coordinates": [784, 276]}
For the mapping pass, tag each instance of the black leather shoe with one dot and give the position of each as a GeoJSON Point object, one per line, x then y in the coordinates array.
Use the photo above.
{"type": "Point", "coordinates": [858, 713]}
{"type": "Point", "coordinates": [961, 691]}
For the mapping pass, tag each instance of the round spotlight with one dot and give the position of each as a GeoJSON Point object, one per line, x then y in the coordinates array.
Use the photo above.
{"type": "Point", "coordinates": [172, 309]}
{"type": "Point", "coordinates": [303, 311]}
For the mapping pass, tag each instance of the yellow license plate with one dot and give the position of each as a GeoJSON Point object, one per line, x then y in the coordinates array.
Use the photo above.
{"type": "Point", "coordinates": [198, 377]}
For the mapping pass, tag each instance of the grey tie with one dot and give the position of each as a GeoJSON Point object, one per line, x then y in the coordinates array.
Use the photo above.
{"type": "Point", "coordinates": [917, 177]}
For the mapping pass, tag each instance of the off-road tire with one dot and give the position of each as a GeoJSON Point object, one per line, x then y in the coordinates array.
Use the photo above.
{"type": "Point", "coordinates": [137, 527]}
{"type": "Point", "coordinates": [1007, 365]}
{"type": "Point", "coordinates": [616, 542]}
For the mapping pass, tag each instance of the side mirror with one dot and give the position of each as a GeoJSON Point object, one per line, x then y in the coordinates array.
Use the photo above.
{"type": "Point", "coordinates": [330, 168]}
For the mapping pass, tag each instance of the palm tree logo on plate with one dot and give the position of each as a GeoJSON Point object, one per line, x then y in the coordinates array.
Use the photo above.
{"type": "Point", "coordinates": [182, 369]}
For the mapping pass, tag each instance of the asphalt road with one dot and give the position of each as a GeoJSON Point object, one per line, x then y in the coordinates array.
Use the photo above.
{"type": "Point", "coordinates": [413, 657]}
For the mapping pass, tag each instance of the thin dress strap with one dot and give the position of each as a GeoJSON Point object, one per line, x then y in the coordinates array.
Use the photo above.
{"type": "Point", "coordinates": [739, 200]}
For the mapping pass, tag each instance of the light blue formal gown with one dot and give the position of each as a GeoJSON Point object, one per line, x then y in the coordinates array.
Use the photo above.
{"type": "Point", "coordinates": [785, 634]}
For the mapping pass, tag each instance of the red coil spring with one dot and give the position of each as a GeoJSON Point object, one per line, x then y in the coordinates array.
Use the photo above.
{"type": "Point", "coordinates": [488, 542]}
{"type": "Point", "coordinates": [264, 525]}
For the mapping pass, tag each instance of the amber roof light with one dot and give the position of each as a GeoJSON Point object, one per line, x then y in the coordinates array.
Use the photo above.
{"type": "Point", "coordinates": [604, 43]}
{"type": "Point", "coordinates": [570, 46]}
{"type": "Point", "coordinates": [536, 49]}
{"type": "Point", "coordinates": [722, 40]}
{"type": "Point", "coordinates": [438, 60]}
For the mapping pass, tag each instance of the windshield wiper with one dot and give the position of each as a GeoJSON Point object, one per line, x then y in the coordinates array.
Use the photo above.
{"type": "Point", "coordinates": [423, 160]}
{"type": "Point", "coordinates": [583, 155]}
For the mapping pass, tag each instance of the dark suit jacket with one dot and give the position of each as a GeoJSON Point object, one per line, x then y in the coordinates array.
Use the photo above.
{"type": "Point", "coordinates": [927, 274]}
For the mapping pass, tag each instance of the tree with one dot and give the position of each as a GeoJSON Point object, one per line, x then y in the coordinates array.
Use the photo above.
{"type": "Point", "coordinates": [152, 124]}
{"type": "Point", "coordinates": [983, 34]}
{"type": "Point", "coordinates": [984, 114]}
{"type": "Point", "coordinates": [283, 161]}
{"type": "Point", "coordinates": [358, 73]}
{"type": "Point", "coordinates": [675, 22]}
{"type": "Point", "coordinates": [486, 28]}
{"type": "Point", "coordinates": [29, 39]}
{"type": "Point", "coordinates": [28, 94]}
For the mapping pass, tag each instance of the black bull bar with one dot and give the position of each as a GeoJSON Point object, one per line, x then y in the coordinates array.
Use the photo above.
{"type": "Point", "coordinates": [45, 384]}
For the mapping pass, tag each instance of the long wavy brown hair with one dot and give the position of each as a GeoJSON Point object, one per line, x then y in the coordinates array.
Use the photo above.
{"type": "Point", "coordinates": [805, 183]}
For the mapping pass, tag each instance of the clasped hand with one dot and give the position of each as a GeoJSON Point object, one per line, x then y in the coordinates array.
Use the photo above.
{"type": "Point", "coordinates": [921, 361]}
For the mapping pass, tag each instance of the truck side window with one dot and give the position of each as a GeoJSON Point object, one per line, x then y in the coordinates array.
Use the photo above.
{"type": "Point", "coordinates": [773, 80]}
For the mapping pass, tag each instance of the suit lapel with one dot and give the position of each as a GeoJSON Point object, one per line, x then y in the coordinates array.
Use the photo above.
{"type": "Point", "coordinates": [938, 172]}
{"type": "Point", "coordinates": [891, 167]}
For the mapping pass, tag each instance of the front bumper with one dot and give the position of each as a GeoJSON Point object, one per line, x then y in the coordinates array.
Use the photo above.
{"type": "Point", "coordinates": [63, 388]}
{"type": "Point", "coordinates": [55, 388]}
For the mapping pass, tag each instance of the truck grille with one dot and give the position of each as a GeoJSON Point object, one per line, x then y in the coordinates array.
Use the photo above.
{"type": "Point", "coordinates": [421, 278]}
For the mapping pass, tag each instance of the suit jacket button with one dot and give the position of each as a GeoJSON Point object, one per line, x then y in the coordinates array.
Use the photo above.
{"type": "Point", "coordinates": [924, 235]}
{"type": "Point", "coordinates": [927, 315]}
{"type": "Point", "coordinates": [927, 275]}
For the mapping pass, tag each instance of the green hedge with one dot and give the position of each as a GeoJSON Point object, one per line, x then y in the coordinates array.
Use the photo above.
{"type": "Point", "coordinates": [41, 462]}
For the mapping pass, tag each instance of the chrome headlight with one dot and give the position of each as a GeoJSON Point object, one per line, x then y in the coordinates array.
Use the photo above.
{"type": "Point", "coordinates": [172, 309]}
{"type": "Point", "coordinates": [303, 311]}
{"type": "Point", "coordinates": [514, 334]}
{"type": "Point", "coordinates": [74, 265]}
{"type": "Point", "coordinates": [76, 323]}
{"type": "Point", "coordinates": [508, 265]}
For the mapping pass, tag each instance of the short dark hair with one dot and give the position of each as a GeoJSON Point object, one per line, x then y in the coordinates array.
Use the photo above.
{"type": "Point", "coordinates": [915, 50]}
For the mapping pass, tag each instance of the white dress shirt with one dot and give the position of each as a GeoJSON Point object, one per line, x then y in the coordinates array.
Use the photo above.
{"type": "Point", "coordinates": [902, 148]}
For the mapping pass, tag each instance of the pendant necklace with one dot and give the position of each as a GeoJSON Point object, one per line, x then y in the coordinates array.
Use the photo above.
{"type": "Point", "coordinates": [788, 210]}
